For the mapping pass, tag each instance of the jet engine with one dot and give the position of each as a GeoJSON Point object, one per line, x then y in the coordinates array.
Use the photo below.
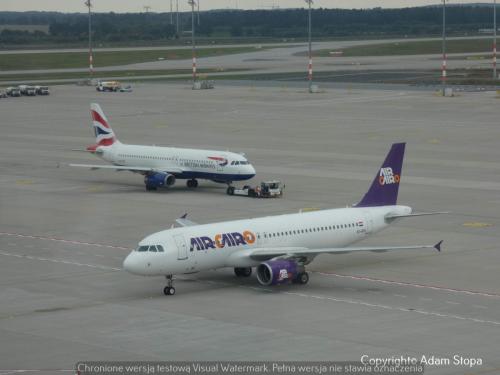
{"type": "Point", "coordinates": [158, 180]}
{"type": "Point", "coordinates": [280, 271]}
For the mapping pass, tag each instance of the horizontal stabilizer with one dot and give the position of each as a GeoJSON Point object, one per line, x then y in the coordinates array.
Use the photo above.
{"type": "Point", "coordinates": [399, 216]}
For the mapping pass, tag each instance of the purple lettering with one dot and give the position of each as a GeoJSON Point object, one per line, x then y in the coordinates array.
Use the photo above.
{"type": "Point", "coordinates": [195, 244]}
{"type": "Point", "coordinates": [227, 240]}
{"type": "Point", "coordinates": [207, 243]}
{"type": "Point", "coordinates": [238, 239]}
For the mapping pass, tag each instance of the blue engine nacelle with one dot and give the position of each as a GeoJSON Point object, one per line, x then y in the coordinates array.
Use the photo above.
{"type": "Point", "coordinates": [275, 272]}
{"type": "Point", "coordinates": [158, 180]}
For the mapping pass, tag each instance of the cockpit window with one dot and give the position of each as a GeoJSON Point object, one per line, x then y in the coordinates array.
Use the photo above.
{"type": "Point", "coordinates": [153, 249]}
{"type": "Point", "coordinates": [160, 248]}
{"type": "Point", "coordinates": [143, 248]}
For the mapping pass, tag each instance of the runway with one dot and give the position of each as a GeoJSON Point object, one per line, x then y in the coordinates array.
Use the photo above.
{"type": "Point", "coordinates": [64, 232]}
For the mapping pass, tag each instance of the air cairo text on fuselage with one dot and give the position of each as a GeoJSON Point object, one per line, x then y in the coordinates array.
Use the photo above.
{"type": "Point", "coordinates": [223, 240]}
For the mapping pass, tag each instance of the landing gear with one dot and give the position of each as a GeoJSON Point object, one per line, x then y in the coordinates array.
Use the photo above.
{"type": "Point", "coordinates": [169, 290]}
{"type": "Point", "coordinates": [192, 183]}
{"type": "Point", "coordinates": [243, 271]}
{"type": "Point", "coordinates": [230, 190]}
{"type": "Point", "coordinates": [302, 278]}
{"type": "Point", "coordinates": [151, 188]}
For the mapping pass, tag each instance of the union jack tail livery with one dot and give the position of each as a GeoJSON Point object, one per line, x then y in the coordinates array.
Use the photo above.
{"type": "Point", "coordinates": [104, 135]}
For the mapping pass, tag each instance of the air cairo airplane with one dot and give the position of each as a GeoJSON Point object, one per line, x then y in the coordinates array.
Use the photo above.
{"type": "Point", "coordinates": [278, 246]}
{"type": "Point", "coordinates": [162, 166]}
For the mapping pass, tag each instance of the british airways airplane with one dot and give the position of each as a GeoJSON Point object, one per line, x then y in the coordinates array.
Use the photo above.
{"type": "Point", "coordinates": [162, 166]}
{"type": "Point", "coordinates": [278, 246]}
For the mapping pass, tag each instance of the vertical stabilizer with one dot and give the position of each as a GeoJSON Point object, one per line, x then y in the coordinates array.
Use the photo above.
{"type": "Point", "coordinates": [103, 133]}
{"type": "Point", "coordinates": [385, 187]}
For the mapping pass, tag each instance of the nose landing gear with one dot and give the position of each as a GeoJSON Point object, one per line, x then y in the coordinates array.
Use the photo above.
{"type": "Point", "coordinates": [169, 290]}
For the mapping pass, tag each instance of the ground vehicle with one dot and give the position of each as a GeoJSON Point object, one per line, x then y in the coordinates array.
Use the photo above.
{"type": "Point", "coordinates": [267, 189]}
{"type": "Point", "coordinates": [112, 86]}
{"type": "Point", "coordinates": [127, 88]}
{"type": "Point", "coordinates": [3, 94]}
{"type": "Point", "coordinates": [42, 90]}
{"type": "Point", "coordinates": [27, 90]}
{"type": "Point", "coordinates": [13, 91]}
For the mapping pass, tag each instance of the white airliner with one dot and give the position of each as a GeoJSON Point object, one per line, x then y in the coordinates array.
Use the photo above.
{"type": "Point", "coordinates": [162, 166]}
{"type": "Point", "coordinates": [279, 246]}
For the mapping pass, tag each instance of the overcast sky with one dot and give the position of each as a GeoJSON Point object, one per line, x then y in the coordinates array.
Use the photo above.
{"type": "Point", "coordinates": [164, 5]}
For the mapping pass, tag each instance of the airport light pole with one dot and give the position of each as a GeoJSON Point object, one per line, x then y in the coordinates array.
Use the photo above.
{"type": "Point", "coordinates": [198, 12]}
{"type": "Point", "coordinates": [444, 66]}
{"type": "Point", "coordinates": [88, 3]}
{"type": "Point", "coordinates": [177, 17]}
{"type": "Point", "coordinates": [495, 75]}
{"type": "Point", "coordinates": [193, 3]}
{"type": "Point", "coordinates": [310, 67]}
{"type": "Point", "coordinates": [171, 13]}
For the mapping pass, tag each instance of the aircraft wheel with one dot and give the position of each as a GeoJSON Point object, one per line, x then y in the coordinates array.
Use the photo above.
{"type": "Point", "coordinates": [243, 271]}
{"type": "Point", "coordinates": [151, 188]}
{"type": "Point", "coordinates": [303, 278]}
{"type": "Point", "coordinates": [230, 190]}
{"type": "Point", "coordinates": [169, 291]}
{"type": "Point", "coordinates": [192, 183]}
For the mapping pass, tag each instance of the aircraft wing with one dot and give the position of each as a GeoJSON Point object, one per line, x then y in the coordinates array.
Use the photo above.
{"type": "Point", "coordinates": [185, 222]}
{"type": "Point", "coordinates": [295, 252]}
{"type": "Point", "coordinates": [125, 168]}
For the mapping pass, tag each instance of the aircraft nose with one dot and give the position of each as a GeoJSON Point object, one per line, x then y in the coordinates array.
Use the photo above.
{"type": "Point", "coordinates": [132, 264]}
{"type": "Point", "coordinates": [251, 170]}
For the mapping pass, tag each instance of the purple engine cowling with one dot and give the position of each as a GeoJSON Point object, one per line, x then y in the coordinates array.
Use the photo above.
{"type": "Point", "coordinates": [276, 272]}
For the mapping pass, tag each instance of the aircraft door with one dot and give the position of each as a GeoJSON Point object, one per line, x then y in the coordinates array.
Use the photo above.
{"type": "Point", "coordinates": [181, 247]}
{"type": "Point", "coordinates": [369, 222]}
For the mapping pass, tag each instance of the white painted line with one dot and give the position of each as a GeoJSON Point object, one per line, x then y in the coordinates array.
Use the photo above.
{"type": "Point", "coordinates": [63, 241]}
{"type": "Point", "coordinates": [479, 306]}
{"type": "Point", "coordinates": [62, 261]}
{"type": "Point", "coordinates": [394, 308]}
{"type": "Point", "coordinates": [452, 303]}
{"type": "Point", "coordinates": [403, 283]}
{"type": "Point", "coordinates": [399, 295]}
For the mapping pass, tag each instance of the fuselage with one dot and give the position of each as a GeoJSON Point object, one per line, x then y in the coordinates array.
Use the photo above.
{"type": "Point", "coordinates": [219, 166]}
{"type": "Point", "coordinates": [227, 244]}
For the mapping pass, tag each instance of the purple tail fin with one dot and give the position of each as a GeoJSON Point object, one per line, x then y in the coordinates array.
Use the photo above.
{"type": "Point", "coordinates": [385, 186]}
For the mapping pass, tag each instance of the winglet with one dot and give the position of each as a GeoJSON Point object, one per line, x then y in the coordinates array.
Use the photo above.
{"type": "Point", "coordinates": [438, 246]}
{"type": "Point", "coordinates": [183, 221]}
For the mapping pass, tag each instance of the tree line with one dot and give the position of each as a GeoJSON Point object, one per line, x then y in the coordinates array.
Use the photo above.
{"type": "Point", "coordinates": [110, 28]}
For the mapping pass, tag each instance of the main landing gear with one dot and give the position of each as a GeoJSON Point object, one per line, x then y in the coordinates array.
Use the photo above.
{"type": "Point", "coordinates": [169, 290]}
{"type": "Point", "coordinates": [243, 271]}
{"type": "Point", "coordinates": [192, 183]}
{"type": "Point", "coordinates": [302, 278]}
